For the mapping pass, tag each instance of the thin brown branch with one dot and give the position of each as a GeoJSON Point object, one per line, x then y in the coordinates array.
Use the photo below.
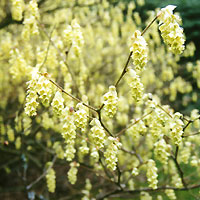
{"type": "Point", "coordinates": [73, 97]}
{"type": "Point", "coordinates": [159, 106]}
{"type": "Point", "coordinates": [137, 191]}
{"type": "Point", "coordinates": [135, 122]}
{"type": "Point", "coordinates": [179, 168]}
{"type": "Point", "coordinates": [60, 54]}
{"type": "Point", "coordinates": [197, 133]}
{"type": "Point", "coordinates": [43, 175]}
{"type": "Point", "coordinates": [48, 47]}
{"type": "Point", "coordinates": [102, 124]}
{"type": "Point", "coordinates": [129, 57]}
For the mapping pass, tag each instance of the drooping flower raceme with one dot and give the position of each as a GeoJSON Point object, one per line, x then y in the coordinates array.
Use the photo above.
{"type": "Point", "coordinates": [17, 9]}
{"type": "Point", "coordinates": [57, 103]}
{"type": "Point", "coordinates": [110, 101]}
{"type": "Point", "coordinates": [81, 117]}
{"type": "Point", "coordinates": [30, 20]}
{"type": "Point", "coordinates": [171, 32]}
{"type": "Point", "coordinates": [51, 179]}
{"type": "Point", "coordinates": [97, 133]}
{"type": "Point", "coordinates": [152, 174]}
{"type": "Point", "coordinates": [31, 99]}
{"type": "Point", "coordinates": [135, 85]}
{"type": "Point", "coordinates": [140, 51]}
{"type": "Point", "coordinates": [111, 152]}
{"type": "Point", "coordinates": [72, 173]}
{"type": "Point", "coordinates": [177, 128]}
{"type": "Point", "coordinates": [44, 90]}
{"type": "Point", "coordinates": [69, 133]}
{"type": "Point", "coordinates": [171, 194]}
{"type": "Point", "coordinates": [161, 151]}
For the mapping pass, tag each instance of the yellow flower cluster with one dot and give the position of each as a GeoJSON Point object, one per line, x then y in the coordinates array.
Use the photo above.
{"type": "Point", "coordinates": [81, 117]}
{"type": "Point", "coordinates": [31, 99]}
{"type": "Point", "coordinates": [86, 191]}
{"type": "Point", "coordinates": [72, 173]}
{"type": "Point", "coordinates": [111, 152]}
{"type": "Point", "coordinates": [30, 20]}
{"type": "Point", "coordinates": [140, 50]}
{"type": "Point", "coordinates": [135, 85]}
{"type": "Point", "coordinates": [97, 133]}
{"type": "Point", "coordinates": [18, 143]}
{"type": "Point", "coordinates": [17, 9]}
{"type": "Point", "coordinates": [171, 32]}
{"type": "Point", "coordinates": [10, 134]}
{"type": "Point", "coordinates": [51, 179]}
{"type": "Point", "coordinates": [177, 128]}
{"type": "Point", "coordinates": [69, 133]}
{"type": "Point", "coordinates": [57, 103]}
{"type": "Point", "coordinates": [59, 150]}
{"type": "Point", "coordinates": [145, 196]}
{"type": "Point", "coordinates": [171, 194]}
{"type": "Point", "coordinates": [73, 38]}
{"type": "Point", "coordinates": [19, 66]}
{"type": "Point", "coordinates": [44, 90]}
{"type": "Point", "coordinates": [162, 151]}
{"type": "Point", "coordinates": [185, 152]}
{"type": "Point", "coordinates": [152, 174]}
{"type": "Point", "coordinates": [110, 101]}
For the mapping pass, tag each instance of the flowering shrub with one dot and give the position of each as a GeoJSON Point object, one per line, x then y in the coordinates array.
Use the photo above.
{"type": "Point", "coordinates": [94, 116]}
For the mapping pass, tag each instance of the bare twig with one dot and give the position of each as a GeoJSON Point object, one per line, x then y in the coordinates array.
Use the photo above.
{"type": "Point", "coordinates": [43, 175]}
{"type": "Point", "coordinates": [48, 47]}
{"type": "Point", "coordinates": [179, 168]}
{"type": "Point", "coordinates": [137, 191]}
{"type": "Point", "coordinates": [135, 122]}
{"type": "Point", "coordinates": [73, 97]}
{"type": "Point", "coordinates": [191, 134]}
{"type": "Point", "coordinates": [63, 58]}
{"type": "Point", "coordinates": [102, 124]}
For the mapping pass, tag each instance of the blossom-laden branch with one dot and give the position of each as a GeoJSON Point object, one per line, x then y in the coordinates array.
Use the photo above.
{"type": "Point", "coordinates": [73, 97]}
{"type": "Point", "coordinates": [137, 191]}
{"type": "Point", "coordinates": [129, 57]}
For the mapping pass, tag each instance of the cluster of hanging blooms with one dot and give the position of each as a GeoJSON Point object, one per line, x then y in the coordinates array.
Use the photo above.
{"type": "Point", "coordinates": [139, 51]}
{"type": "Point", "coordinates": [30, 20]}
{"type": "Point", "coordinates": [177, 128]}
{"type": "Point", "coordinates": [152, 174]}
{"type": "Point", "coordinates": [44, 90]}
{"type": "Point", "coordinates": [162, 151]}
{"type": "Point", "coordinates": [51, 179]}
{"type": "Point", "coordinates": [171, 194]}
{"type": "Point", "coordinates": [58, 150]}
{"type": "Point", "coordinates": [17, 9]}
{"type": "Point", "coordinates": [81, 117]}
{"type": "Point", "coordinates": [86, 191]}
{"type": "Point", "coordinates": [111, 152]}
{"type": "Point", "coordinates": [171, 32]}
{"type": "Point", "coordinates": [57, 103]}
{"type": "Point", "coordinates": [97, 134]}
{"type": "Point", "coordinates": [135, 85]}
{"type": "Point", "coordinates": [73, 38]}
{"type": "Point", "coordinates": [31, 99]}
{"type": "Point", "coordinates": [110, 101]}
{"type": "Point", "coordinates": [72, 173]}
{"type": "Point", "coordinates": [185, 153]}
{"type": "Point", "coordinates": [69, 133]}
{"type": "Point", "coordinates": [145, 196]}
